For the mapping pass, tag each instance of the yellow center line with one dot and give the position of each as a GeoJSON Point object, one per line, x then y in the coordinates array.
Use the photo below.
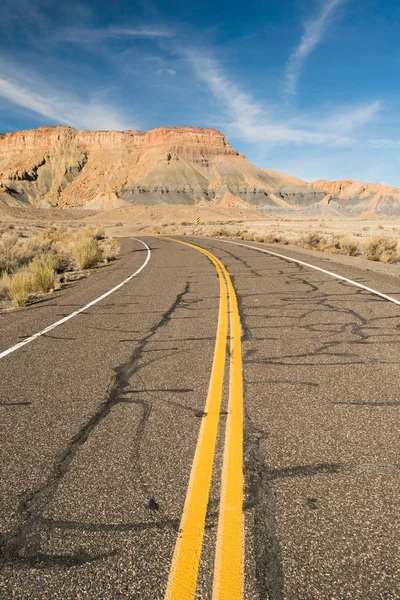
{"type": "Point", "coordinates": [228, 570]}
{"type": "Point", "coordinates": [185, 563]}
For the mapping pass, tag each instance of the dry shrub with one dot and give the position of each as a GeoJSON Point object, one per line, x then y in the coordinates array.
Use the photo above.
{"type": "Point", "coordinates": [343, 244]}
{"type": "Point", "coordinates": [19, 286]}
{"type": "Point", "coordinates": [247, 236]}
{"type": "Point", "coordinates": [42, 269]}
{"type": "Point", "coordinates": [221, 233]}
{"type": "Point", "coordinates": [51, 235]}
{"type": "Point", "coordinates": [30, 266]}
{"type": "Point", "coordinates": [63, 259]}
{"type": "Point", "coordinates": [257, 237]}
{"type": "Point", "coordinates": [111, 249]}
{"type": "Point", "coordinates": [383, 249]}
{"type": "Point", "coordinates": [86, 252]}
{"type": "Point", "coordinates": [38, 276]}
{"type": "Point", "coordinates": [8, 256]}
{"type": "Point", "coordinates": [274, 238]}
{"type": "Point", "coordinates": [314, 240]}
{"type": "Point", "coordinates": [97, 232]}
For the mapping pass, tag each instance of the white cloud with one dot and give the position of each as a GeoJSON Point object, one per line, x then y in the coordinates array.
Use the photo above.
{"type": "Point", "coordinates": [254, 122]}
{"type": "Point", "coordinates": [66, 110]}
{"type": "Point", "coordinates": [313, 33]}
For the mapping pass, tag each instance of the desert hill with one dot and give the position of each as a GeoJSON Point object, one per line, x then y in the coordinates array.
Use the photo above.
{"type": "Point", "coordinates": [370, 199]}
{"type": "Point", "coordinates": [64, 167]}
{"type": "Point", "coordinates": [61, 167]}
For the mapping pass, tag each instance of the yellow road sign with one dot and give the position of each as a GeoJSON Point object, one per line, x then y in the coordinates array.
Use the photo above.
{"type": "Point", "coordinates": [198, 221]}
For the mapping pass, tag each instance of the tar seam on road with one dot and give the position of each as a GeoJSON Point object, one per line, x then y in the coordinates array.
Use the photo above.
{"type": "Point", "coordinates": [228, 568]}
{"type": "Point", "coordinates": [35, 336]}
{"type": "Point", "coordinates": [335, 275]}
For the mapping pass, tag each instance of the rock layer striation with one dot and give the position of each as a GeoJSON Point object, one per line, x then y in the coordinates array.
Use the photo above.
{"type": "Point", "coordinates": [64, 167]}
{"type": "Point", "coordinates": [67, 168]}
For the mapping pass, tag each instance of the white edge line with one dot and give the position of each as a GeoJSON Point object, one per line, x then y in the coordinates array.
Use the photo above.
{"type": "Point", "coordinates": [80, 310]}
{"type": "Point", "coordinates": [300, 262]}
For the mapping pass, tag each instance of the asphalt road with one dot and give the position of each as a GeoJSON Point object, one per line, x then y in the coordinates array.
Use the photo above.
{"type": "Point", "coordinates": [102, 420]}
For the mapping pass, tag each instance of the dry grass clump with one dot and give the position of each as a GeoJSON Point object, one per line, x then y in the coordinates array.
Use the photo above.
{"type": "Point", "coordinates": [312, 241]}
{"type": "Point", "coordinates": [111, 249]}
{"type": "Point", "coordinates": [343, 244]}
{"type": "Point", "coordinates": [8, 258]}
{"type": "Point", "coordinates": [274, 238]}
{"type": "Point", "coordinates": [222, 232]}
{"type": "Point", "coordinates": [43, 270]}
{"type": "Point", "coordinates": [86, 252]}
{"type": "Point", "coordinates": [37, 277]}
{"type": "Point", "coordinates": [247, 236]}
{"type": "Point", "coordinates": [18, 287]}
{"type": "Point", "coordinates": [380, 248]}
{"type": "Point", "coordinates": [34, 266]}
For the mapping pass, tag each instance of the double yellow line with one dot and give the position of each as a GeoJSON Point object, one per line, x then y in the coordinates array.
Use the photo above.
{"type": "Point", "coordinates": [228, 567]}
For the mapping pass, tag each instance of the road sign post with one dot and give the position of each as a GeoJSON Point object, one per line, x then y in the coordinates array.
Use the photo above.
{"type": "Point", "coordinates": [197, 228]}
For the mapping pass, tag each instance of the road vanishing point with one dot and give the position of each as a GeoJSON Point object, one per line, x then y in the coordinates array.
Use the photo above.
{"type": "Point", "coordinates": [203, 419]}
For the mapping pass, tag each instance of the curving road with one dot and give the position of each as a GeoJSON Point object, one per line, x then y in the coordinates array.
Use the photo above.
{"type": "Point", "coordinates": [132, 431]}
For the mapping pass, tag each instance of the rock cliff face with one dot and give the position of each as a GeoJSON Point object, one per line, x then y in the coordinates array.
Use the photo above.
{"type": "Point", "coordinates": [370, 199]}
{"type": "Point", "coordinates": [63, 167]}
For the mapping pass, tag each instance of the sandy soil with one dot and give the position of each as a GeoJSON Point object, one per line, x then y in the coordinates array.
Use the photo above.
{"type": "Point", "coordinates": [142, 219]}
{"type": "Point", "coordinates": [128, 221]}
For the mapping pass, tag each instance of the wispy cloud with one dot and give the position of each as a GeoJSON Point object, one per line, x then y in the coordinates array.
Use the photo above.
{"type": "Point", "coordinates": [166, 71]}
{"type": "Point", "coordinates": [344, 120]}
{"type": "Point", "coordinates": [65, 110]}
{"type": "Point", "coordinates": [313, 34]}
{"type": "Point", "coordinates": [383, 143]}
{"type": "Point", "coordinates": [83, 35]}
{"type": "Point", "coordinates": [264, 124]}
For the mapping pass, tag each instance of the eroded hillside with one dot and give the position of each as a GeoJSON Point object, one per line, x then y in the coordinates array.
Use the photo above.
{"type": "Point", "coordinates": [64, 167]}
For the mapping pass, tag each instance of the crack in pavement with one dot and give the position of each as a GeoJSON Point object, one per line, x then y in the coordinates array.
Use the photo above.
{"type": "Point", "coordinates": [21, 543]}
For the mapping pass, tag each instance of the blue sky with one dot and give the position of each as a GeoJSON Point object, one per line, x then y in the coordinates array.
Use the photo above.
{"type": "Point", "coordinates": [306, 87]}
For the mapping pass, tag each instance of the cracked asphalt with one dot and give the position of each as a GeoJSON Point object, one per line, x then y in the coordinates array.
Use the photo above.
{"type": "Point", "coordinates": [100, 419]}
